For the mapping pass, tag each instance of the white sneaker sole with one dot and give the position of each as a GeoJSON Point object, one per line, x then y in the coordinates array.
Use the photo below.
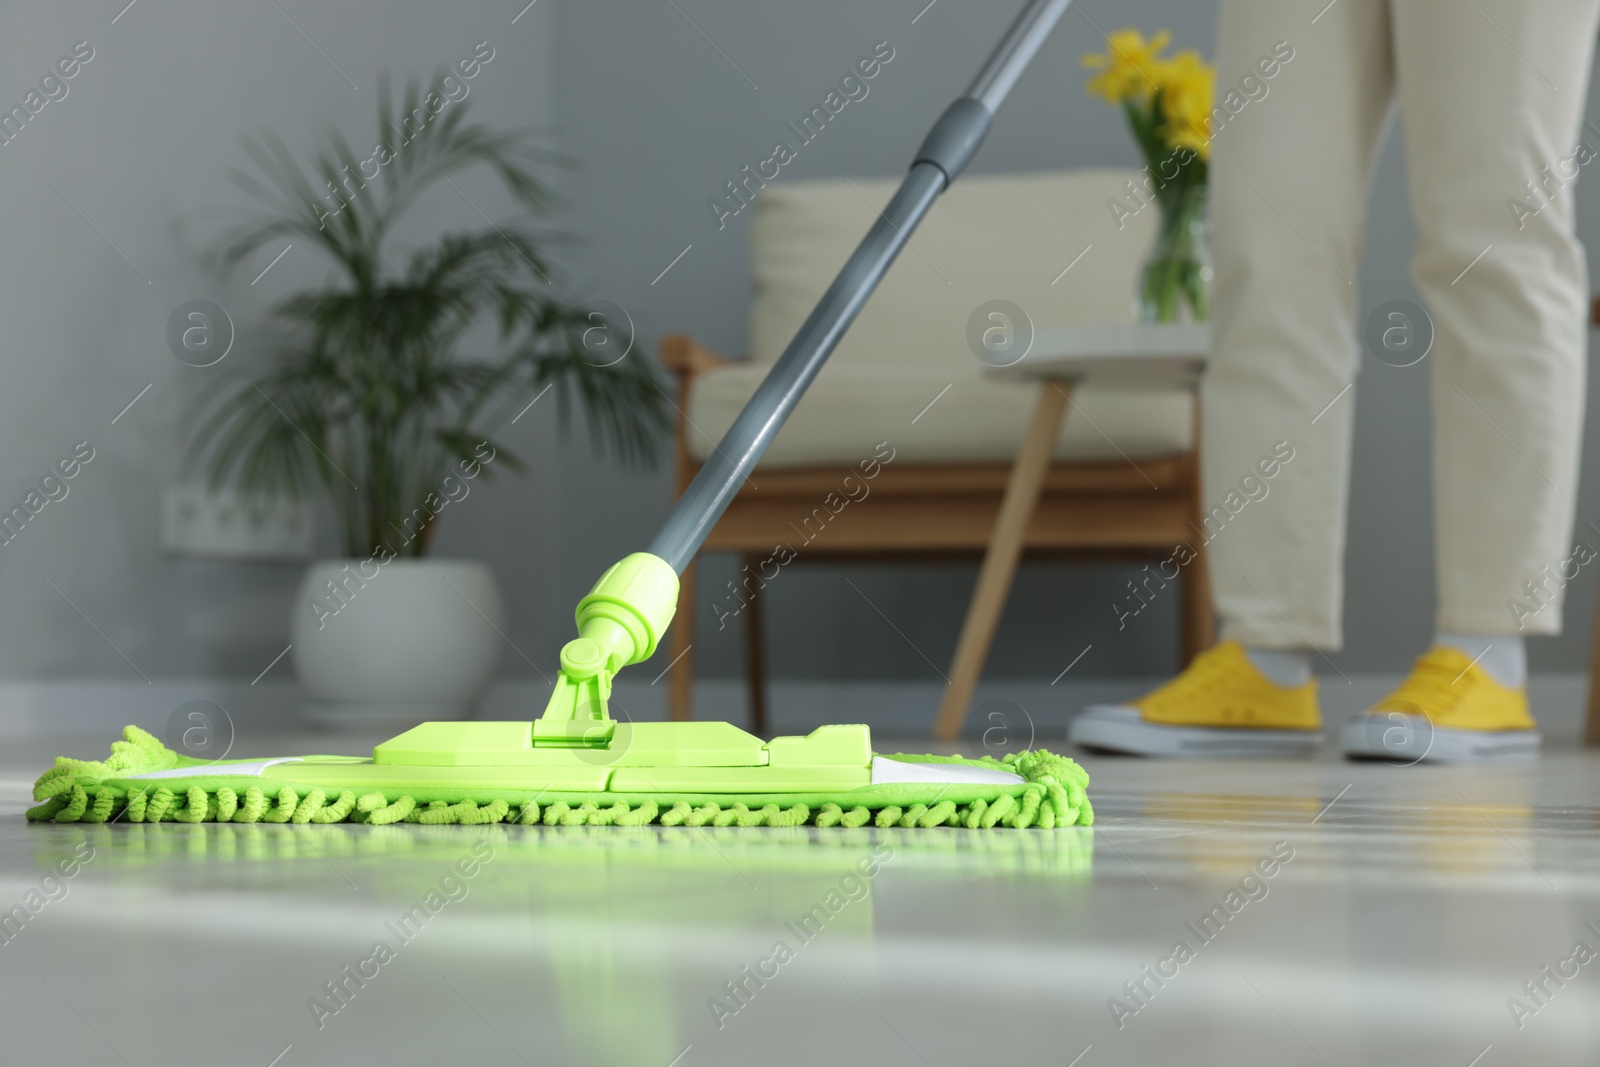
{"type": "Point", "coordinates": [1119, 728]}
{"type": "Point", "coordinates": [1403, 740]}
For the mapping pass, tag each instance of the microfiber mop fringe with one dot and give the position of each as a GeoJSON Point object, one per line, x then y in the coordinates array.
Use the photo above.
{"type": "Point", "coordinates": [1052, 794]}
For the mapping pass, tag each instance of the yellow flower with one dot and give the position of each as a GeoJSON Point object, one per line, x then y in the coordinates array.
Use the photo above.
{"type": "Point", "coordinates": [1127, 70]}
{"type": "Point", "coordinates": [1197, 141]}
{"type": "Point", "coordinates": [1187, 83]}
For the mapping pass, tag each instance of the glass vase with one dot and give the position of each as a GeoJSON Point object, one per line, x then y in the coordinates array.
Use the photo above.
{"type": "Point", "coordinates": [1175, 283]}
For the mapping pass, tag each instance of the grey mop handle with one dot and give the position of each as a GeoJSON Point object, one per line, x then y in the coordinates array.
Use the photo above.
{"type": "Point", "coordinates": [944, 153]}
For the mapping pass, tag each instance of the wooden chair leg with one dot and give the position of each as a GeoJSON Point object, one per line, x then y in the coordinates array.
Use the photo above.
{"type": "Point", "coordinates": [1000, 560]}
{"type": "Point", "coordinates": [1197, 626]}
{"type": "Point", "coordinates": [680, 684]}
{"type": "Point", "coordinates": [1591, 733]}
{"type": "Point", "coordinates": [755, 656]}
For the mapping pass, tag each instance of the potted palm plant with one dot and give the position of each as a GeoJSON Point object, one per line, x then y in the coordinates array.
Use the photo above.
{"type": "Point", "coordinates": [370, 405]}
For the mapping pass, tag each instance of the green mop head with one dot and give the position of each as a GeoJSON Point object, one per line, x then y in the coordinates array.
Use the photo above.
{"type": "Point", "coordinates": [144, 781]}
{"type": "Point", "coordinates": [576, 766]}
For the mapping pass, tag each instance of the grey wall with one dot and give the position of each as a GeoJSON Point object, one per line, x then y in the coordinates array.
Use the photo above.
{"type": "Point", "coordinates": [659, 120]}
{"type": "Point", "coordinates": [142, 145]}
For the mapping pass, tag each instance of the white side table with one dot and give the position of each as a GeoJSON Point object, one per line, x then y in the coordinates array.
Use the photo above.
{"type": "Point", "coordinates": [1117, 357]}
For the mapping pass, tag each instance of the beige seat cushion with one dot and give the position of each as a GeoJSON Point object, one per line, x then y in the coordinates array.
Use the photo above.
{"type": "Point", "coordinates": [848, 410]}
{"type": "Point", "coordinates": [995, 236]}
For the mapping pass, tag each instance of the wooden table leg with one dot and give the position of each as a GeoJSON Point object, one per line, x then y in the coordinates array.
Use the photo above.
{"type": "Point", "coordinates": [1000, 560]}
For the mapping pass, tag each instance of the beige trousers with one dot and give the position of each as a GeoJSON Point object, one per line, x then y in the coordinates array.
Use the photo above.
{"type": "Point", "coordinates": [1492, 93]}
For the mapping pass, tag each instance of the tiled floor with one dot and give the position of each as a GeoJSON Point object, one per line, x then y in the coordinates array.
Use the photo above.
{"type": "Point", "coordinates": [1406, 907]}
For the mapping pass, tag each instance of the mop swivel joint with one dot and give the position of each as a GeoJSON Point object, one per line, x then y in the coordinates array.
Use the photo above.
{"type": "Point", "coordinates": [620, 622]}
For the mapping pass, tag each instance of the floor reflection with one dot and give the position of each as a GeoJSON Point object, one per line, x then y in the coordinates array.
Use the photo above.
{"type": "Point", "coordinates": [589, 890]}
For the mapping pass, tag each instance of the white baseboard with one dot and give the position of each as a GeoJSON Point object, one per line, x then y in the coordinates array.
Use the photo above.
{"type": "Point", "coordinates": [1006, 709]}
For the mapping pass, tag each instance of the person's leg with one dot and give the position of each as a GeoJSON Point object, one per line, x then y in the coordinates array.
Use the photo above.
{"type": "Point", "coordinates": [1492, 99]}
{"type": "Point", "coordinates": [1303, 89]}
{"type": "Point", "coordinates": [1290, 178]}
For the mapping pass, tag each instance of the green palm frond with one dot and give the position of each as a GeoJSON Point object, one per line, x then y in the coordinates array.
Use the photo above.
{"type": "Point", "coordinates": [370, 403]}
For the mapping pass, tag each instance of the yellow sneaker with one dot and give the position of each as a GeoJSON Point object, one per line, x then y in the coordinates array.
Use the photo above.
{"type": "Point", "coordinates": [1219, 706]}
{"type": "Point", "coordinates": [1448, 710]}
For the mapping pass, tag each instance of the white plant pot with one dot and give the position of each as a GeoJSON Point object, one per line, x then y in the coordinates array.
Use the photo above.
{"type": "Point", "coordinates": [401, 642]}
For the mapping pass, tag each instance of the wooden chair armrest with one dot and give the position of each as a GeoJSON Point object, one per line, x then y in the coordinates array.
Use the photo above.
{"type": "Point", "coordinates": [686, 357]}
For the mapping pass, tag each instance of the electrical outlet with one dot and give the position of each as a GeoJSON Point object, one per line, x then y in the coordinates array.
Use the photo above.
{"type": "Point", "coordinates": [196, 521]}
